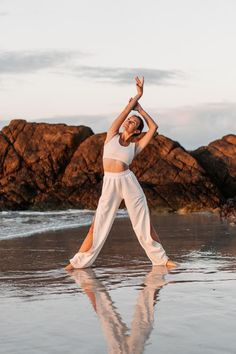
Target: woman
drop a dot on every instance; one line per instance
(119, 183)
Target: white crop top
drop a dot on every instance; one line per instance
(114, 150)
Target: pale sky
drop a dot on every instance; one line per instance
(74, 61)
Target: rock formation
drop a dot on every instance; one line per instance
(56, 166)
(219, 161)
(33, 157)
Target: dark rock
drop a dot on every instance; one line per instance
(228, 211)
(219, 161)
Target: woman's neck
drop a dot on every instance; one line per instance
(125, 137)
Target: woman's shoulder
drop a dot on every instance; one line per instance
(111, 135)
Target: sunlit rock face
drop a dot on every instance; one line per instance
(173, 179)
(56, 166)
(33, 157)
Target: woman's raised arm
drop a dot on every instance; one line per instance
(132, 103)
(145, 140)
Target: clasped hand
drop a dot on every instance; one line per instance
(139, 85)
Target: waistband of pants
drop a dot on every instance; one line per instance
(117, 174)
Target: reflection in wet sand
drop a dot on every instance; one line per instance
(115, 330)
(45, 311)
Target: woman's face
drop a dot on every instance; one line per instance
(131, 124)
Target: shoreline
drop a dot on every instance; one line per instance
(52, 250)
(83, 227)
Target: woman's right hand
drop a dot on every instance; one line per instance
(139, 85)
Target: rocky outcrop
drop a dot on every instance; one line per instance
(219, 161)
(33, 156)
(55, 166)
(171, 178)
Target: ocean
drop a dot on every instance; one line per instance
(27, 223)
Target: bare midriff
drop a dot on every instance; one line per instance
(112, 165)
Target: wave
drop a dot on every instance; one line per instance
(26, 223)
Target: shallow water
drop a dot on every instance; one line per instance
(122, 304)
(27, 223)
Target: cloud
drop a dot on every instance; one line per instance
(59, 61)
(18, 62)
(3, 13)
(117, 75)
(198, 125)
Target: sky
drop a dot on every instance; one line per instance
(74, 62)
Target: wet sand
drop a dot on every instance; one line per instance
(122, 304)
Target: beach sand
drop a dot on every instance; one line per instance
(122, 304)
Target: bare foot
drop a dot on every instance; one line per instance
(69, 267)
(171, 263)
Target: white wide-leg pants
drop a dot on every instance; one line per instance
(117, 186)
